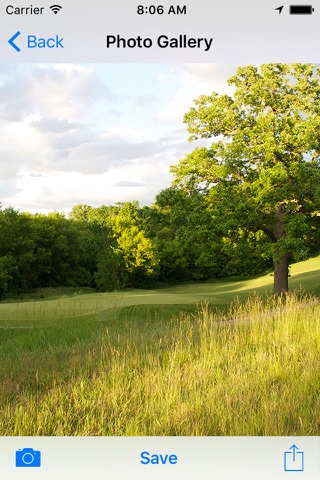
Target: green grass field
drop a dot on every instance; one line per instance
(195, 359)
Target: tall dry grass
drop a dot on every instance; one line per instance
(252, 370)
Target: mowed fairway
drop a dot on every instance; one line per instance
(171, 361)
(305, 275)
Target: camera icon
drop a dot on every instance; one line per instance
(28, 458)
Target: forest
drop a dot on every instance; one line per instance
(108, 248)
(124, 245)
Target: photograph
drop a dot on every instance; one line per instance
(159, 250)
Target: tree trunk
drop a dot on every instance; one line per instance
(281, 275)
(281, 266)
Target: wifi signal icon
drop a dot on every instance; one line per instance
(55, 8)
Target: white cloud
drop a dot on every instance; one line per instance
(54, 125)
(125, 133)
(71, 136)
(62, 190)
(61, 91)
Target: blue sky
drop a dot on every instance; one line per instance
(95, 134)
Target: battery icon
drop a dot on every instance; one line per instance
(301, 9)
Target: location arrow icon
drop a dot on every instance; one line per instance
(280, 9)
(12, 39)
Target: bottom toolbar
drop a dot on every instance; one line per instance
(223, 458)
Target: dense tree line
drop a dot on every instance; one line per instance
(42, 251)
(123, 245)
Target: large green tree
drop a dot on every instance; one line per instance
(261, 176)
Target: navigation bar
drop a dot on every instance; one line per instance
(188, 31)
